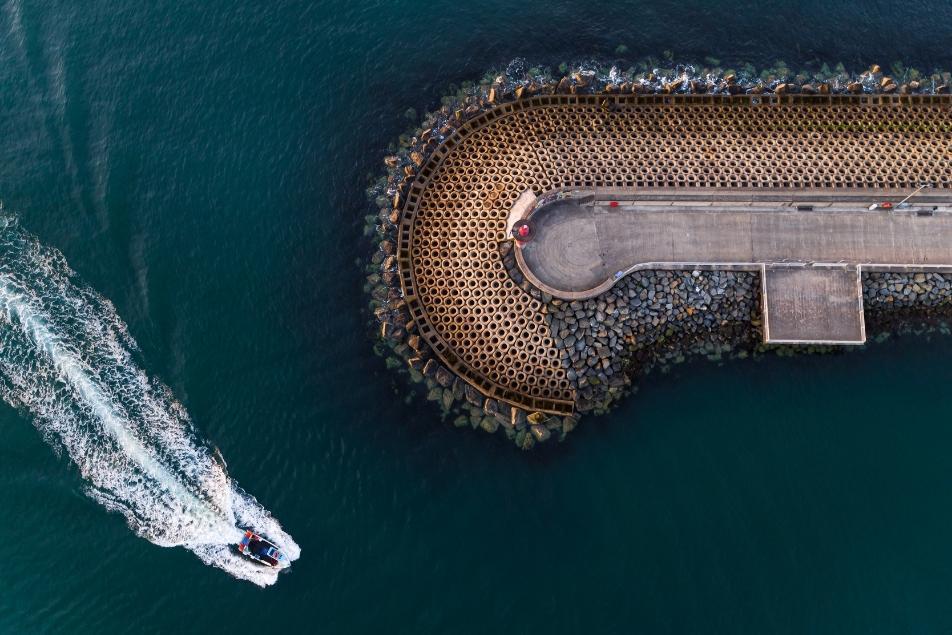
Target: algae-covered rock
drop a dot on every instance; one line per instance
(447, 399)
(541, 433)
(489, 424)
(525, 440)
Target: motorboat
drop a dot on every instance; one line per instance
(262, 551)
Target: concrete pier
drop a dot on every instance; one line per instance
(809, 247)
(700, 180)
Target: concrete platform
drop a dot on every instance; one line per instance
(809, 305)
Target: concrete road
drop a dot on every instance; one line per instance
(577, 249)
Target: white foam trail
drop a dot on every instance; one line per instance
(67, 358)
(14, 10)
(17, 308)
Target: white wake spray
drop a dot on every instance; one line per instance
(68, 360)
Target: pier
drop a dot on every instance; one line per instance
(777, 184)
(808, 246)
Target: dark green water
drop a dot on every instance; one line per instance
(202, 165)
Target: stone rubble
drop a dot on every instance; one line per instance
(600, 337)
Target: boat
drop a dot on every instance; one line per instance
(262, 551)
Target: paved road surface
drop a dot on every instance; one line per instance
(579, 247)
(809, 258)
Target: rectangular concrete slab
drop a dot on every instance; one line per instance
(813, 305)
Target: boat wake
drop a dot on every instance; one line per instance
(68, 360)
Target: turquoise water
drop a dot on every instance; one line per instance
(202, 166)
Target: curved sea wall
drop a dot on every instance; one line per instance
(650, 319)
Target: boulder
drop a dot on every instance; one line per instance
(569, 424)
(672, 87)
(443, 377)
(489, 424)
(473, 396)
(447, 399)
(540, 432)
(517, 418)
(524, 440)
(584, 79)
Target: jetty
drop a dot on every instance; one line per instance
(779, 186)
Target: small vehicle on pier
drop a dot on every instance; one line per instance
(262, 551)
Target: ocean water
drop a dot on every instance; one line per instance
(201, 167)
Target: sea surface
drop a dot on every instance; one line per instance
(188, 178)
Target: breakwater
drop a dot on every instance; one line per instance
(456, 314)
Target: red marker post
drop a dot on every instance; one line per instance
(522, 232)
